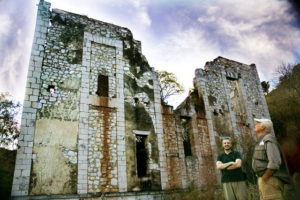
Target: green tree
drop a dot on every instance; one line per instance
(284, 71)
(169, 85)
(284, 103)
(288, 77)
(265, 86)
(9, 127)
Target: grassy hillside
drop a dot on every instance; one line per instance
(284, 106)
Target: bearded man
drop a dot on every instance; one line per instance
(233, 178)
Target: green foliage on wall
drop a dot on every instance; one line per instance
(72, 37)
(138, 63)
(9, 127)
(169, 85)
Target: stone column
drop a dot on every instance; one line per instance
(82, 179)
(159, 131)
(121, 149)
(31, 104)
(201, 87)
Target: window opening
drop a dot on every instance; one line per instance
(102, 90)
(141, 155)
(51, 89)
(185, 123)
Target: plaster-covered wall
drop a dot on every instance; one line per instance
(54, 171)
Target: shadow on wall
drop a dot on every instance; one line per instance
(7, 166)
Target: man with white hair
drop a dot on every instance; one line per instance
(268, 162)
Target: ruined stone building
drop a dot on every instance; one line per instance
(93, 121)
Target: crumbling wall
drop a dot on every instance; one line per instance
(226, 98)
(218, 105)
(256, 103)
(57, 118)
(173, 149)
(56, 129)
(207, 170)
(140, 117)
(102, 57)
(136, 118)
(201, 160)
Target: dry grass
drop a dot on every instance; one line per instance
(195, 193)
(253, 193)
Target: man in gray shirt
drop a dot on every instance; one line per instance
(268, 162)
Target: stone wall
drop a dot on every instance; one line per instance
(102, 150)
(173, 150)
(234, 98)
(74, 140)
(31, 104)
(226, 99)
(199, 166)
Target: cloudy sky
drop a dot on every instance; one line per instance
(177, 35)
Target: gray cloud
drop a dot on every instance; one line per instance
(263, 32)
(15, 43)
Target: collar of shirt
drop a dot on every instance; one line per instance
(261, 137)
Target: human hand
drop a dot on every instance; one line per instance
(229, 164)
(267, 174)
(265, 178)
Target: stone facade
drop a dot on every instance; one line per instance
(93, 123)
(232, 97)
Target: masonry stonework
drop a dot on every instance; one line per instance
(94, 125)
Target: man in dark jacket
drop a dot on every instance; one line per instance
(233, 178)
(268, 162)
